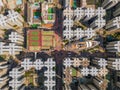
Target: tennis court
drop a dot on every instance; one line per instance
(39, 39)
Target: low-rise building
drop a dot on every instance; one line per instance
(41, 13)
(34, 13)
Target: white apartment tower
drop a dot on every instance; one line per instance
(113, 24)
(114, 63)
(98, 23)
(38, 64)
(113, 46)
(101, 62)
(50, 74)
(9, 49)
(4, 22)
(17, 78)
(12, 20)
(15, 37)
(107, 4)
(117, 10)
(70, 16)
(3, 75)
(89, 13)
(100, 83)
(118, 79)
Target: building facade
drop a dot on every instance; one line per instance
(113, 46)
(4, 75)
(107, 4)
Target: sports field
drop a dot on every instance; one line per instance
(34, 40)
(39, 39)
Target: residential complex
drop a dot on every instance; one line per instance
(74, 16)
(59, 44)
(38, 64)
(42, 14)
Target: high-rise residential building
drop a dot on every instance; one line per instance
(12, 20)
(68, 13)
(113, 24)
(15, 19)
(116, 10)
(100, 12)
(98, 23)
(1, 3)
(15, 37)
(68, 33)
(82, 87)
(4, 22)
(27, 63)
(118, 79)
(114, 63)
(86, 87)
(73, 16)
(107, 4)
(100, 83)
(67, 62)
(91, 87)
(18, 80)
(38, 64)
(10, 48)
(99, 62)
(113, 46)
(50, 74)
(89, 13)
(3, 75)
(79, 13)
